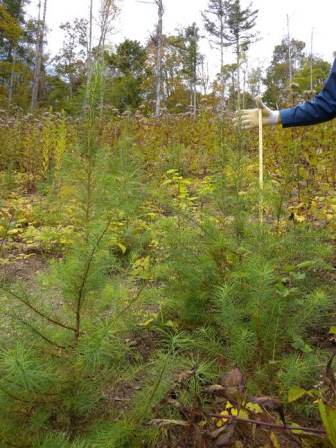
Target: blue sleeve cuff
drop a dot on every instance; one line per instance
(322, 108)
(287, 117)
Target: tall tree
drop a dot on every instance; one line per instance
(185, 59)
(312, 74)
(192, 61)
(12, 21)
(89, 58)
(254, 81)
(14, 42)
(39, 53)
(204, 74)
(107, 15)
(125, 88)
(240, 23)
(173, 60)
(89, 52)
(70, 61)
(277, 74)
(214, 22)
(159, 51)
(108, 12)
(10, 33)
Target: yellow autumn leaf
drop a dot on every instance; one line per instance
(295, 393)
(230, 410)
(122, 247)
(13, 232)
(328, 416)
(275, 440)
(296, 431)
(299, 218)
(254, 407)
(243, 414)
(2, 231)
(147, 323)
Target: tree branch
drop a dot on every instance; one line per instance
(270, 425)
(45, 338)
(38, 312)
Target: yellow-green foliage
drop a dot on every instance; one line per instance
(152, 228)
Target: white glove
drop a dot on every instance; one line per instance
(249, 118)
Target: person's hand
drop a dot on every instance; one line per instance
(249, 118)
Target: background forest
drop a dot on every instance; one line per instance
(144, 303)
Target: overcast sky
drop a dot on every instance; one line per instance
(137, 21)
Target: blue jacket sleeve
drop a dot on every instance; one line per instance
(321, 108)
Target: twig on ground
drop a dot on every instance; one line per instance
(270, 425)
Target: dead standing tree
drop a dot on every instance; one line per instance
(159, 53)
(214, 22)
(108, 13)
(39, 54)
(89, 49)
(239, 33)
(158, 70)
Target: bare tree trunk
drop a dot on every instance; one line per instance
(39, 56)
(191, 85)
(245, 70)
(89, 53)
(289, 52)
(222, 66)
(108, 13)
(195, 74)
(90, 31)
(159, 57)
(204, 76)
(195, 100)
(311, 61)
(12, 79)
(244, 87)
(89, 60)
(238, 75)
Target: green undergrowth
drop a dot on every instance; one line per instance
(157, 283)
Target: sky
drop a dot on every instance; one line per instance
(137, 20)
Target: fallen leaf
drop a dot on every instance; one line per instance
(328, 416)
(270, 404)
(275, 440)
(147, 323)
(234, 385)
(254, 407)
(122, 247)
(225, 438)
(295, 393)
(168, 422)
(214, 388)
